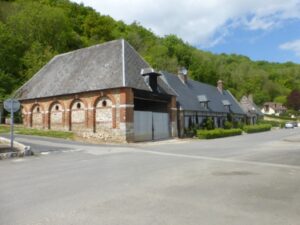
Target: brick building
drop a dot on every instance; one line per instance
(106, 91)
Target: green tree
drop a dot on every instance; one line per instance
(293, 100)
(35, 58)
(35, 22)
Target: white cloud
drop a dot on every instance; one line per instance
(292, 46)
(200, 22)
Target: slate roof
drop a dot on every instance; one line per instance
(187, 96)
(110, 65)
(249, 107)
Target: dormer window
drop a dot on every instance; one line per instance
(203, 100)
(226, 104)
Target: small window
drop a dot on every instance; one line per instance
(104, 103)
(56, 107)
(78, 106)
(38, 109)
(204, 105)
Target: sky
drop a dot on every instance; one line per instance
(260, 29)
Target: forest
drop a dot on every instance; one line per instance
(33, 31)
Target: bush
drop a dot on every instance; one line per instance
(217, 133)
(257, 128)
(208, 124)
(191, 131)
(227, 125)
(237, 124)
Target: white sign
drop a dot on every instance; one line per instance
(12, 105)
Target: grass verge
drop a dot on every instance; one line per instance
(35, 132)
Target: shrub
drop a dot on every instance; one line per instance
(257, 128)
(238, 125)
(227, 125)
(191, 131)
(208, 124)
(217, 133)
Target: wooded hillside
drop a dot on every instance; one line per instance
(33, 31)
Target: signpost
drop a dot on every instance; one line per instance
(12, 106)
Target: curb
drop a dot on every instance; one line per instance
(23, 150)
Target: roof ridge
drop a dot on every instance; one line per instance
(123, 64)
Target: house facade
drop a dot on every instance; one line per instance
(251, 109)
(105, 92)
(196, 102)
(273, 108)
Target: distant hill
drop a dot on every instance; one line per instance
(33, 31)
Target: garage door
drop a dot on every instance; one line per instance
(161, 126)
(150, 126)
(142, 126)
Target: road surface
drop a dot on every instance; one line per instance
(244, 180)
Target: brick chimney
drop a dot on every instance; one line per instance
(182, 74)
(220, 85)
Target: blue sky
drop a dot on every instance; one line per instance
(262, 30)
(261, 44)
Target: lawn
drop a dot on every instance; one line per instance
(35, 132)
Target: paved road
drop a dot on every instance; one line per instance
(250, 179)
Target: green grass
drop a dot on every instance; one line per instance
(4, 129)
(273, 123)
(35, 132)
(286, 118)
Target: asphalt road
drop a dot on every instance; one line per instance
(250, 179)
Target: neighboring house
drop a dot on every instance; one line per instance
(197, 101)
(252, 111)
(273, 108)
(106, 91)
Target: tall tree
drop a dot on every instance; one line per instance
(293, 100)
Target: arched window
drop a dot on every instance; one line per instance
(37, 117)
(78, 115)
(56, 117)
(103, 113)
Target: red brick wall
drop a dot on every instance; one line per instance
(63, 113)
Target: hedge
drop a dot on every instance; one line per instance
(217, 133)
(257, 128)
